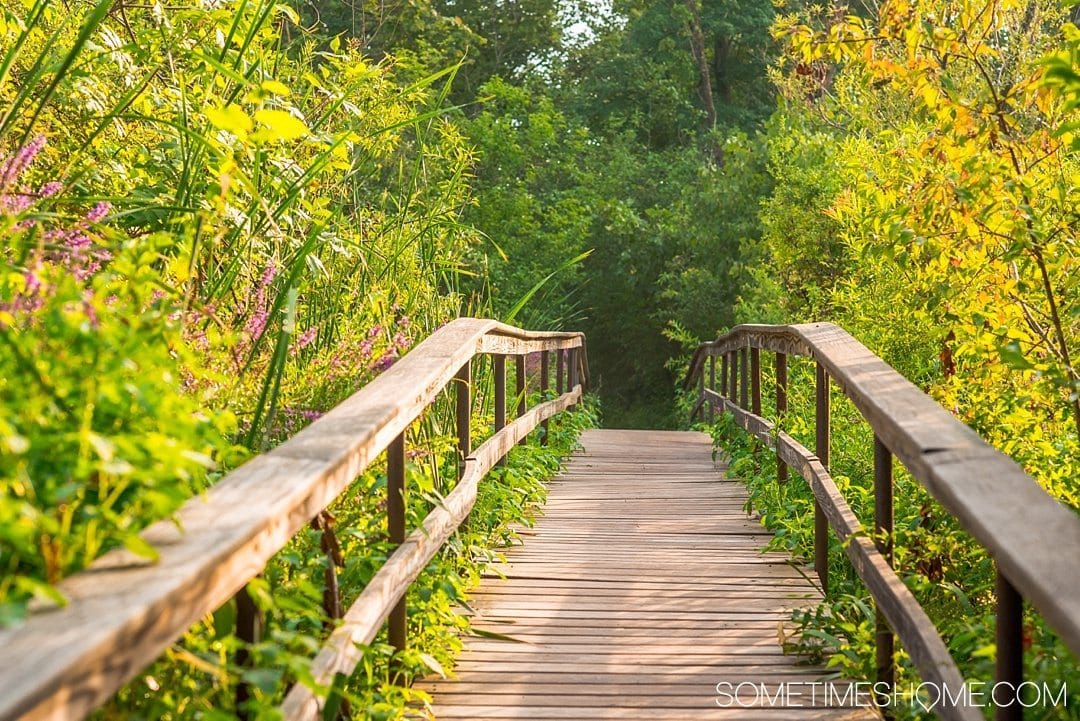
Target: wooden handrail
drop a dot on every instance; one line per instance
(124, 610)
(993, 499)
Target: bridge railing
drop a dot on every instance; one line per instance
(1033, 539)
(124, 610)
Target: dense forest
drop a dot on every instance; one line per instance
(222, 218)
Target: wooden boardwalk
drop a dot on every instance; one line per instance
(640, 590)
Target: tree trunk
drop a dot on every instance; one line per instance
(697, 46)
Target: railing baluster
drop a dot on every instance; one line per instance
(821, 523)
(544, 372)
(755, 381)
(723, 376)
(499, 368)
(572, 369)
(712, 385)
(1010, 649)
(463, 383)
(733, 370)
(395, 526)
(560, 368)
(701, 394)
(883, 525)
(519, 388)
(328, 543)
(249, 624)
(744, 378)
(781, 409)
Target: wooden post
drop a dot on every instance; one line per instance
(572, 370)
(519, 388)
(883, 524)
(395, 526)
(733, 368)
(781, 409)
(712, 386)
(499, 368)
(744, 379)
(821, 523)
(463, 382)
(544, 372)
(328, 543)
(701, 393)
(560, 367)
(1010, 650)
(249, 624)
(723, 376)
(755, 381)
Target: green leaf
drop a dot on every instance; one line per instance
(432, 663)
(1013, 357)
(40, 589)
(139, 546)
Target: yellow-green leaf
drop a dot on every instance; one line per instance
(280, 125)
(430, 661)
(276, 87)
(140, 547)
(231, 118)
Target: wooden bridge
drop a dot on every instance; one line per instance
(640, 594)
(642, 588)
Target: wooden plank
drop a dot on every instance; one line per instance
(631, 598)
(658, 714)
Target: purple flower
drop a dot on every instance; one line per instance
(304, 340)
(91, 312)
(15, 203)
(385, 361)
(13, 168)
(257, 322)
(50, 189)
(33, 282)
(307, 337)
(98, 212)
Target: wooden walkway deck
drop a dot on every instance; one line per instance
(641, 588)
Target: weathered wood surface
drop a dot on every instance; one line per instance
(362, 621)
(906, 617)
(641, 588)
(1034, 540)
(125, 610)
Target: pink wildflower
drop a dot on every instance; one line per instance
(50, 189)
(13, 168)
(256, 324)
(304, 340)
(386, 360)
(98, 212)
